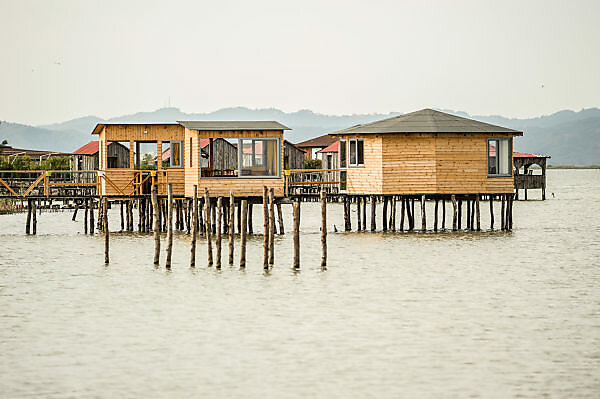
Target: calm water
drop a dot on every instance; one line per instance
(488, 314)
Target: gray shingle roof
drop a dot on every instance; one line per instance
(233, 125)
(426, 121)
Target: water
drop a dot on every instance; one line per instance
(491, 314)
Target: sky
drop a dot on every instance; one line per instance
(66, 59)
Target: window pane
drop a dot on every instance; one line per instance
(503, 157)
(492, 169)
(361, 152)
(352, 152)
(342, 153)
(343, 177)
(218, 157)
(260, 157)
(175, 154)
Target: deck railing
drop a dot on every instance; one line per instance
(27, 183)
(307, 181)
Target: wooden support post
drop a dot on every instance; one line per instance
(502, 213)
(296, 212)
(28, 221)
(435, 218)
(393, 215)
(194, 228)
(156, 224)
(280, 219)
(443, 214)
(508, 217)
(412, 214)
(244, 209)
(346, 213)
(478, 212)
(201, 223)
(219, 230)
(208, 227)
(409, 215)
(455, 213)
(323, 229)
(85, 216)
(139, 205)
(373, 220)
(34, 218)
(169, 225)
(213, 215)
(423, 216)
(364, 213)
(384, 214)
(468, 214)
(122, 216)
(358, 221)
(460, 214)
(402, 208)
(265, 228)
(491, 212)
(105, 229)
(92, 216)
(230, 227)
(472, 224)
(249, 212)
(271, 227)
(75, 212)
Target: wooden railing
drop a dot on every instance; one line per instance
(24, 183)
(313, 180)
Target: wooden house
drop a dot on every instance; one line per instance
(426, 152)
(528, 179)
(313, 146)
(221, 156)
(293, 157)
(87, 157)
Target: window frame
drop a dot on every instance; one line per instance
(356, 163)
(181, 154)
(496, 142)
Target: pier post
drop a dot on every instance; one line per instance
(435, 219)
(402, 206)
(85, 216)
(412, 214)
(244, 209)
(105, 229)
(364, 213)
(358, 221)
(208, 227)
(201, 223)
(265, 228)
(393, 215)
(280, 219)
(92, 216)
(478, 212)
(296, 212)
(169, 225)
(460, 214)
(423, 216)
(491, 212)
(468, 214)
(502, 213)
(384, 214)
(194, 228)
(230, 227)
(156, 224)
(75, 211)
(249, 221)
(140, 217)
(219, 229)
(443, 214)
(122, 216)
(28, 221)
(271, 227)
(373, 220)
(409, 217)
(508, 217)
(323, 229)
(34, 218)
(346, 214)
(455, 213)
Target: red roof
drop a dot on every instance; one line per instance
(89, 149)
(525, 155)
(321, 141)
(335, 147)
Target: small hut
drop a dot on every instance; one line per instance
(87, 157)
(313, 146)
(530, 179)
(293, 157)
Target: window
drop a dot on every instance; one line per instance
(259, 157)
(176, 154)
(218, 157)
(146, 155)
(342, 153)
(357, 152)
(499, 155)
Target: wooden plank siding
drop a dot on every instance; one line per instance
(367, 179)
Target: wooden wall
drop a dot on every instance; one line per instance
(367, 179)
(293, 156)
(84, 162)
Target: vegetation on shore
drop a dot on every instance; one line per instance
(27, 163)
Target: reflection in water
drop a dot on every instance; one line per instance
(395, 314)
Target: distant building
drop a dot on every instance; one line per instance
(313, 146)
(37, 155)
(87, 157)
(293, 157)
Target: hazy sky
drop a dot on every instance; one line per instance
(65, 59)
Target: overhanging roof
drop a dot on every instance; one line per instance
(100, 125)
(427, 121)
(233, 125)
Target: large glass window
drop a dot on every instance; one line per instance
(172, 154)
(342, 153)
(499, 155)
(259, 157)
(357, 152)
(218, 157)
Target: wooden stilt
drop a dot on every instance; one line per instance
(443, 214)
(296, 212)
(402, 208)
(34, 219)
(423, 216)
(358, 221)
(373, 220)
(409, 217)
(92, 216)
(265, 228)
(491, 212)
(188, 213)
(85, 217)
(208, 227)
(243, 207)
(239, 219)
(510, 212)
(472, 222)
(250, 227)
(280, 219)
(364, 213)
(323, 229)
(156, 225)
(272, 227)
(346, 213)
(502, 213)
(455, 213)
(478, 212)
(468, 214)
(140, 218)
(412, 213)
(393, 214)
(219, 230)
(194, 228)
(105, 229)
(169, 225)
(460, 214)
(122, 216)
(435, 218)
(213, 215)
(28, 221)
(384, 214)
(75, 211)
(230, 227)
(201, 213)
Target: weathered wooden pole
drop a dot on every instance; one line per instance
(265, 228)
(423, 216)
(243, 228)
(323, 229)
(201, 222)
(34, 217)
(156, 224)
(358, 221)
(92, 216)
(478, 212)
(194, 227)
(402, 208)
(249, 221)
(443, 214)
(373, 220)
(75, 212)
(509, 216)
(188, 215)
(105, 229)
(364, 213)
(455, 213)
(208, 227)
(346, 213)
(280, 219)
(122, 216)
(219, 229)
(491, 212)
(384, 213)
(28, 221)
(473, 214)
(468, 214)
(409, 217)
(435, 218)
(296, 212)
(502, 213)
(459, 214)
(169, 225)
(230, 227)
(271, 227)
(412, 214)
(85, 216)
(393, 216)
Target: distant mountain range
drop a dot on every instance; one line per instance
(569, 137)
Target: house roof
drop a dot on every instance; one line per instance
(233, 125)
(334, 147)
(427, 121)
(99, 126)
(88, 149)
(525, 155)
(321, 141)
(285, 142)
(7, 150)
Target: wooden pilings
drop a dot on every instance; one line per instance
(271, 227)
(455, 213)
(358, 221)
(230, 227)
(91, 216)
(491, 212)
(393, 215)
(28, 221)
(373, 220)
(502, 213)
(423, 216)
(323, 229)
(402, 209)
(169, 225)
(347, 222)
(194, 227)
(156, 223)
(243, 229)
(105, 229)
(384, 220)
(435, 219)
(85, 216)
(219, 229)
(265, 228)
(208, 227)
(296, 237)
(280, 219)
(478, 212)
